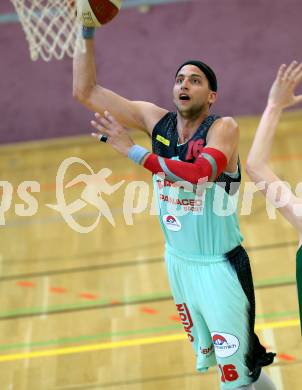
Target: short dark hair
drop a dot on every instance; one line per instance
(210, 74)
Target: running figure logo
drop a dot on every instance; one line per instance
(96, 185)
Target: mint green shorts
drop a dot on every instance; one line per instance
(214, 297)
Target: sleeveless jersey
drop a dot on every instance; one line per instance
(194, 222)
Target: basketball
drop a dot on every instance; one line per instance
(95, 13)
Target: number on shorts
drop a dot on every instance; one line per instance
(228, 373)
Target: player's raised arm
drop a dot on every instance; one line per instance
(132, 114)
(281, 96)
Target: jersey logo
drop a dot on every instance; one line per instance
(225, 344)
(194, 149)
(163, 140)
(171, 222)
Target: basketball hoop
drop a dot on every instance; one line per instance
(50, 27)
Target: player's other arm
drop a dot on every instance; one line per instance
(208, 166)
(280, 97)
(131, 114)
(212, 161)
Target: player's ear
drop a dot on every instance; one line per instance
(212, 97)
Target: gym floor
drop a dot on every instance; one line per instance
(94, 311)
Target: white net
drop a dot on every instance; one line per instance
(50, 27)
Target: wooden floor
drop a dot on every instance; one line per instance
(94, 311)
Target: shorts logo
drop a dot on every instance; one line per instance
(225, 344)
(207, 351)
(186, 319)
(171, 222)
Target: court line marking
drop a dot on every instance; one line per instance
(86, 338)
(135, 332)
(126, 262)
(106, 303)
(126, 343)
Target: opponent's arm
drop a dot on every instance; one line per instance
(280, 97)
(208, 165)
(132, 114)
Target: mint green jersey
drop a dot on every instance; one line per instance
(204, 224)
(194, 225)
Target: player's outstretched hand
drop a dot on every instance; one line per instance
(282, 93)
(117, 135)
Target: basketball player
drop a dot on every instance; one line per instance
(280, 97)
(209, 271)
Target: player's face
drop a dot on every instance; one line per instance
(191, 92)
